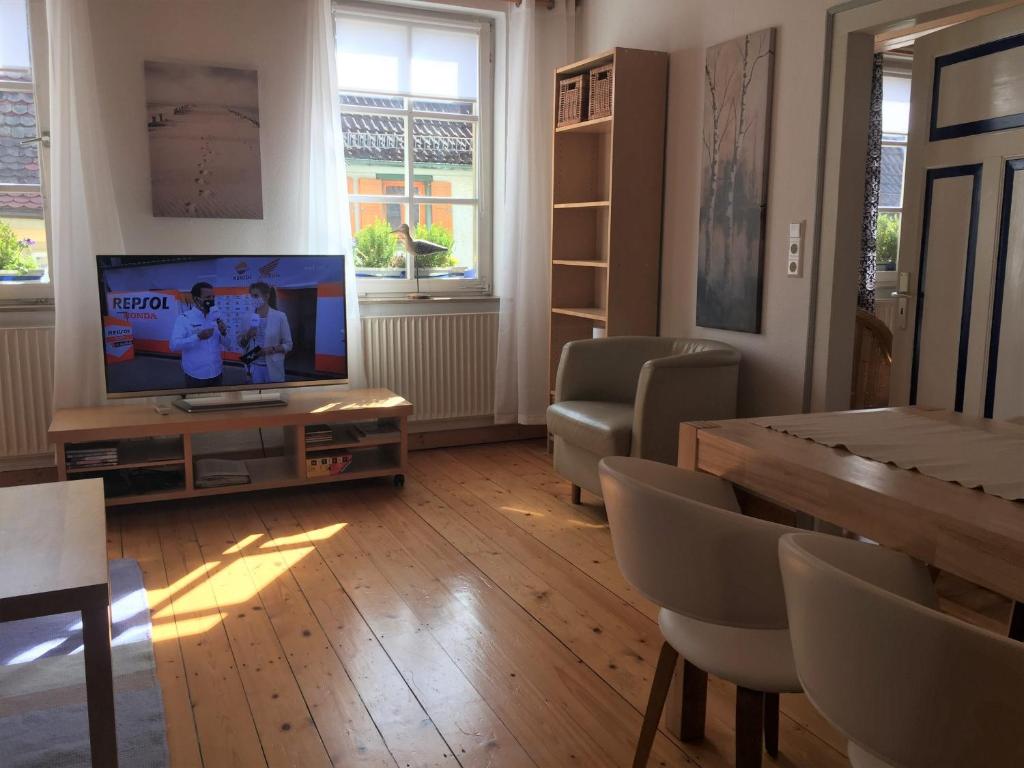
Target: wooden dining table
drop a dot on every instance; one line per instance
(963, 531)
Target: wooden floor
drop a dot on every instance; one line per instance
(473, 618)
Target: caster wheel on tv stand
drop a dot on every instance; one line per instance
(399, 481)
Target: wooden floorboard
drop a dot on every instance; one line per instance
(474, 618)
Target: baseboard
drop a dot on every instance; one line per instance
(10, 477)
(491, 433)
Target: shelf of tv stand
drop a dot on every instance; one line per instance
(376, 454)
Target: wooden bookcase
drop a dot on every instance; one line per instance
(157, 454)
(607, 180)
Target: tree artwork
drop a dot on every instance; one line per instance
(738, 78)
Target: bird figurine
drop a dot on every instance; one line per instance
(417, 248)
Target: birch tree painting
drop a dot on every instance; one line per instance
(734, 181)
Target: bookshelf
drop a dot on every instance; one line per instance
(146, 456)
(606, 192)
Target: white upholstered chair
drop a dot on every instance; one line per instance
(680, 540)
(626, 395)
(907, 685)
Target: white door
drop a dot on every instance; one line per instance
(962, 346)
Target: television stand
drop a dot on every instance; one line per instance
(143, 456)
(229, 400)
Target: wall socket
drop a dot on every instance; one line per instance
(795, 257)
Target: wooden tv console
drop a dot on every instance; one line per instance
(156, 454)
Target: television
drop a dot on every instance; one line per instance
(190, 325)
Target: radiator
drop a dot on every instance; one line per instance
(26, 390)
(885, 310)
(443, 364)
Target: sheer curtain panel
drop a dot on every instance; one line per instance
(539, 41)
(83, 212)
(328, 229)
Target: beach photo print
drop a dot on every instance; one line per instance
(204, 141)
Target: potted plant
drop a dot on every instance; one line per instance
(16, 261)
(376, 252)
(442, 263)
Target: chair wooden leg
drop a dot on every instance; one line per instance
(577, 494)
(695, 699)
(655, 703)
(771, 724)
(749, 726)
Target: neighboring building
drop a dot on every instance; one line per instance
(375, 161)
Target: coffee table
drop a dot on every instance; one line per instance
(53, 559)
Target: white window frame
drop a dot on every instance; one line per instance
(483, 26)
(887, 279)
(35, 292)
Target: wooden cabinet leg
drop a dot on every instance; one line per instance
(577, 494)
(99, 684)
(1016, 630)
(749, 725)
(695, 699)
(655, 703)
(771, 724)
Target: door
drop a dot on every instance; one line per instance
(962, 343)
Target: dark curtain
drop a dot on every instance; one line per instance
(872, 185)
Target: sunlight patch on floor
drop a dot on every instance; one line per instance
(193, 604)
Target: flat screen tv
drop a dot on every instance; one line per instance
(191, 324)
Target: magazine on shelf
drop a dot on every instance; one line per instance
(215, 473)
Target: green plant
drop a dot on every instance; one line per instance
(887, 240)
(14, 253)
(376, 246)
(435, 233)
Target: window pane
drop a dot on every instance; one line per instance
(14, 53)
(444, 63)
(22, 243)
(444, 157)
(888, 240)
(372, 55)
(374, 153)
(375, 247)
(449, 233)
(891, 193)
(19, 163)
(895, 104)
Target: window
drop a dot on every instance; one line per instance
(895, 122)
(24, 268)
(415, 100)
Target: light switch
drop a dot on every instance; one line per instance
(794, 259)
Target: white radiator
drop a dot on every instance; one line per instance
(26, 390)
(885, 310)
(443, 364)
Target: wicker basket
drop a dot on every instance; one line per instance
(572, 100)
(602, 81)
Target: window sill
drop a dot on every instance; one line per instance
(381, 306)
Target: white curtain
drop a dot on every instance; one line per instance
(539, 41)
(83, 211)
(329, 229)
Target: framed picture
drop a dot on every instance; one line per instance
(204, 141)
(738, 79)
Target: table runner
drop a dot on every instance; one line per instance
(958, 453)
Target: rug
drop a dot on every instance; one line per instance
(43, 714)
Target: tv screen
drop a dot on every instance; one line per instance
(183, 324)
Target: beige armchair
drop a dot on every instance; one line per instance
(626, 395)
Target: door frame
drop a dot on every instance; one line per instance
(849, 49)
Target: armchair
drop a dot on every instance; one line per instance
(626, 395)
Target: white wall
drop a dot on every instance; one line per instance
(267, 35)
(774, 362)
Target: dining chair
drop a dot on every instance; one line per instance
(680, 540)
(908, 686)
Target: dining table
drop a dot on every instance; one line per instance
(944, 487)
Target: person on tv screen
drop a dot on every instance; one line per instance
(200, 335)
(268, 335)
